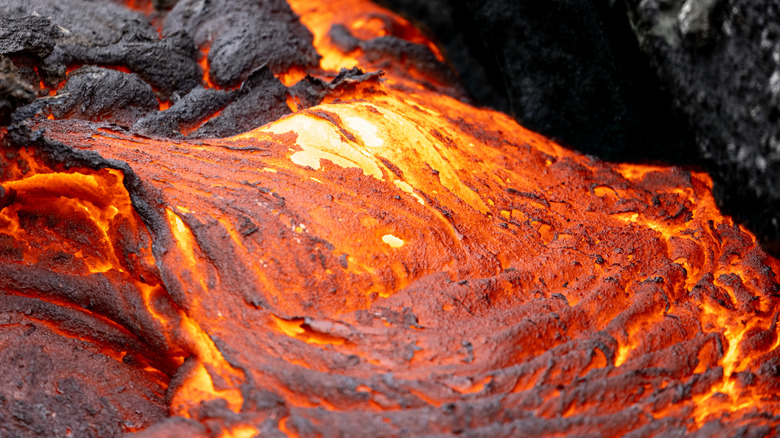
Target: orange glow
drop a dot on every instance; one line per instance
(394, 252)
(292, 76)
(203, 61)
(362, 18)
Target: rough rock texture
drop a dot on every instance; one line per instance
(14, 91)
(59, 35)
(42, 395)
(721, 61)
(684, 82)
(186, 114)
(452, 23)
(243, 35)
(261, 99)
(94, 93)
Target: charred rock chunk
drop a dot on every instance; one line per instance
(30, 34)
(14, 92)
(721, 61)
(59, 382)
(168, 65)
(390, 51)
(186, 114)
(82, 22)
(241, 36)
(82, 32)
(311, 91)
(262, 99)
(96, 94)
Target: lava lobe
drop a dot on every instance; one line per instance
(242, 241)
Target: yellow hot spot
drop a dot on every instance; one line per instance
(636, 172)
(602, 191)
(366, 130)
(393, 241)
(320, 139)
(185, 242)
(294, 328)
(241, 431)
(306, 158)
(289, 328)
(198, 387)
(408, 189)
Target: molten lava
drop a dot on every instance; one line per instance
(391, 258)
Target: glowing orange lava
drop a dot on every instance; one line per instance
(396, 261)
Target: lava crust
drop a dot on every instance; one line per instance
(383, 255)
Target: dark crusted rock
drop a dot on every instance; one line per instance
(14, 92)
(27, 40)
(721, 61)
(77, 32)
(573, 74)
(82, 22)
(453, 25)
(261, 99)
(168, 65)
(311, 91)
(390, 51)
(30, 34)
(42, 394)
(94, 93)
(185, 114)
(243, 35)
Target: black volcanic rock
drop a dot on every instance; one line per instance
(94, 93)
(721, 62)
(168, 65)
(405, 57)
(14, 91)
(29, 34)
(243, 35)
(575, 76)
(261, 99)
(186, 113)
(76, 32)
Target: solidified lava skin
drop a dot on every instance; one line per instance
(385, 260)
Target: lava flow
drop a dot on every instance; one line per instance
(292, 248)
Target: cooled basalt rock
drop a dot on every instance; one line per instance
(97, 94)
(14, 91)
(242, 36)
(261, 99)
(721, 62)
(77, 32)
(675, 81)
(186, 114)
